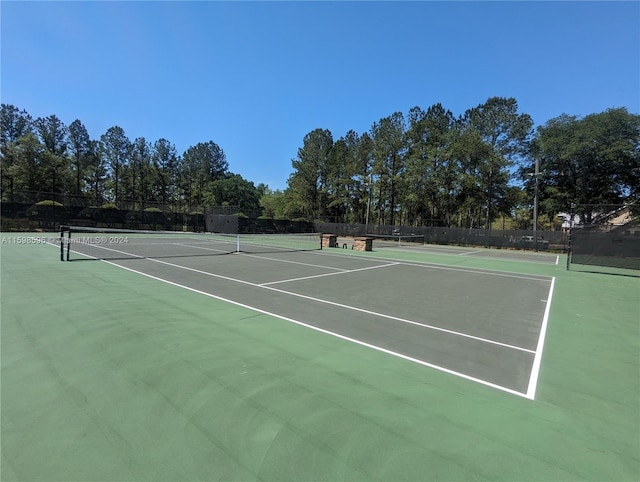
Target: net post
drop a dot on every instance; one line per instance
(321, 239)
(238, 243)
(61, 243)
(68, 243)
(569, 239)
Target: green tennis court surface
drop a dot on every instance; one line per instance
(316, 365)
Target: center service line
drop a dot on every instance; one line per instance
(328, 274)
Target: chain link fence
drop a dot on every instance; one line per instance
(520, 239)
(606, 236)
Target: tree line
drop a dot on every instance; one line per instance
(429, 167)
(423, 168)
(45, 155)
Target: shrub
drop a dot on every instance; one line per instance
(48, 213)
(49, 203)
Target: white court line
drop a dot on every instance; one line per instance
(268, 258)
(441, 251)
(324, 253)
(538, 352)
(223, 251)
(137, 256)
(537, 360)
(344, 271)
(293, 262)
(327, 332)
(348, 307)
(422, 264)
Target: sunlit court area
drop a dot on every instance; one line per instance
(183, 356)
(319, 241)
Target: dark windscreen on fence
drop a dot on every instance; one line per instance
(606, 235)
(606, 246)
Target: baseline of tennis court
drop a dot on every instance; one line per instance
(466, 251)
(485, 326)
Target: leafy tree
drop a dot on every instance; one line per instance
(273, 203)
(201, 164)
(468, 151)
(166, 163)
(233, 190)
(418, 173)
(79, 147)
(507, 133)
(430, 177)
(53, 134)
(309, 181)
(593, 160)
(349, 177)
(340, 177)
(426, 168)
(139, 175)
(262, 189)
(389, 150)
(96, 172)
(14, 124)
(115, 152)
(28, 156)
(362, 152)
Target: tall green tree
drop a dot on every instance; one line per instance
(27, 170)
(116, 147)
(355, 175)
(139, 175)
(418, 169)
(166, 163)
(363, 147)
(507, 133)
(469, 152)
(586, 161)
(273, 203)
(79, 141)
(201, 164)
(343, 181)
(53, 134)
(431, 176)
(308, 183)
(96, 171)
(233, 190)
(14, 125)
(389, 151)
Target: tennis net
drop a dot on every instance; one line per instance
(78, 242)
(396, 240)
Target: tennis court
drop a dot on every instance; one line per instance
(178, 358)
(485, 326)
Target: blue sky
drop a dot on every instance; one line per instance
(255, 77)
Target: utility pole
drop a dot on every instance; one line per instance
(368, 185)
(536, 176)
